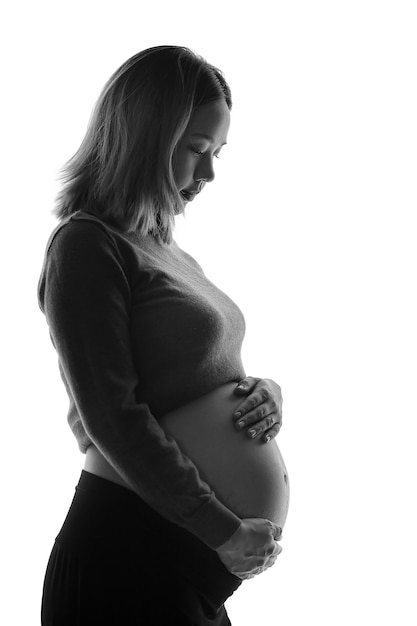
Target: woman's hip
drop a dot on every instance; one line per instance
(109, 529)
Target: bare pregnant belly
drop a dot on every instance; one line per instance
(247, 475)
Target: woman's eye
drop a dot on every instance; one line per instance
(200, 153)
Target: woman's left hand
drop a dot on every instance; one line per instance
(261, 411)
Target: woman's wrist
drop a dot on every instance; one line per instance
(231, 542)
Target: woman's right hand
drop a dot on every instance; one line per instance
(252, 549)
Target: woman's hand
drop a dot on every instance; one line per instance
(261, 411)
(252, 549)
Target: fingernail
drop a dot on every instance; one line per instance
(252, 433)
(240, 424)
(238, 414)
(268, 438)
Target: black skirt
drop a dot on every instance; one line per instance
(117, 562)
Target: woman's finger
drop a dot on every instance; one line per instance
(258, 424)
(261, 398)
(264, 426)
(272, 432)
(246, 385)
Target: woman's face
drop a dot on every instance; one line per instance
(202, 140)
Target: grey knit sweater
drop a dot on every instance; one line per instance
(139, 331)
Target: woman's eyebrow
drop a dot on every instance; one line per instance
(206, 137)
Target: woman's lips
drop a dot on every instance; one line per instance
(187, 195)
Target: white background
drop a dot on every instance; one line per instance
(309, 227)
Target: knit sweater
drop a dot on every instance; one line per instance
(140, 331)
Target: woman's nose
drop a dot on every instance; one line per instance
(205, 172)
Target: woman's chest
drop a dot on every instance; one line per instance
(176, 305)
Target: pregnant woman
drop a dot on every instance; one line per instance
(184, 492)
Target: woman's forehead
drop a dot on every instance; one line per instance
(210, 121)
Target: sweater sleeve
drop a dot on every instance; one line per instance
(87, 302)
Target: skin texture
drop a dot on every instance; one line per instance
(253, 548)
(249, 477)
(195, 154)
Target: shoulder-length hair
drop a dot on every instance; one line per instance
(123, 171)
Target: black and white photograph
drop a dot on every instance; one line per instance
(209, 313)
